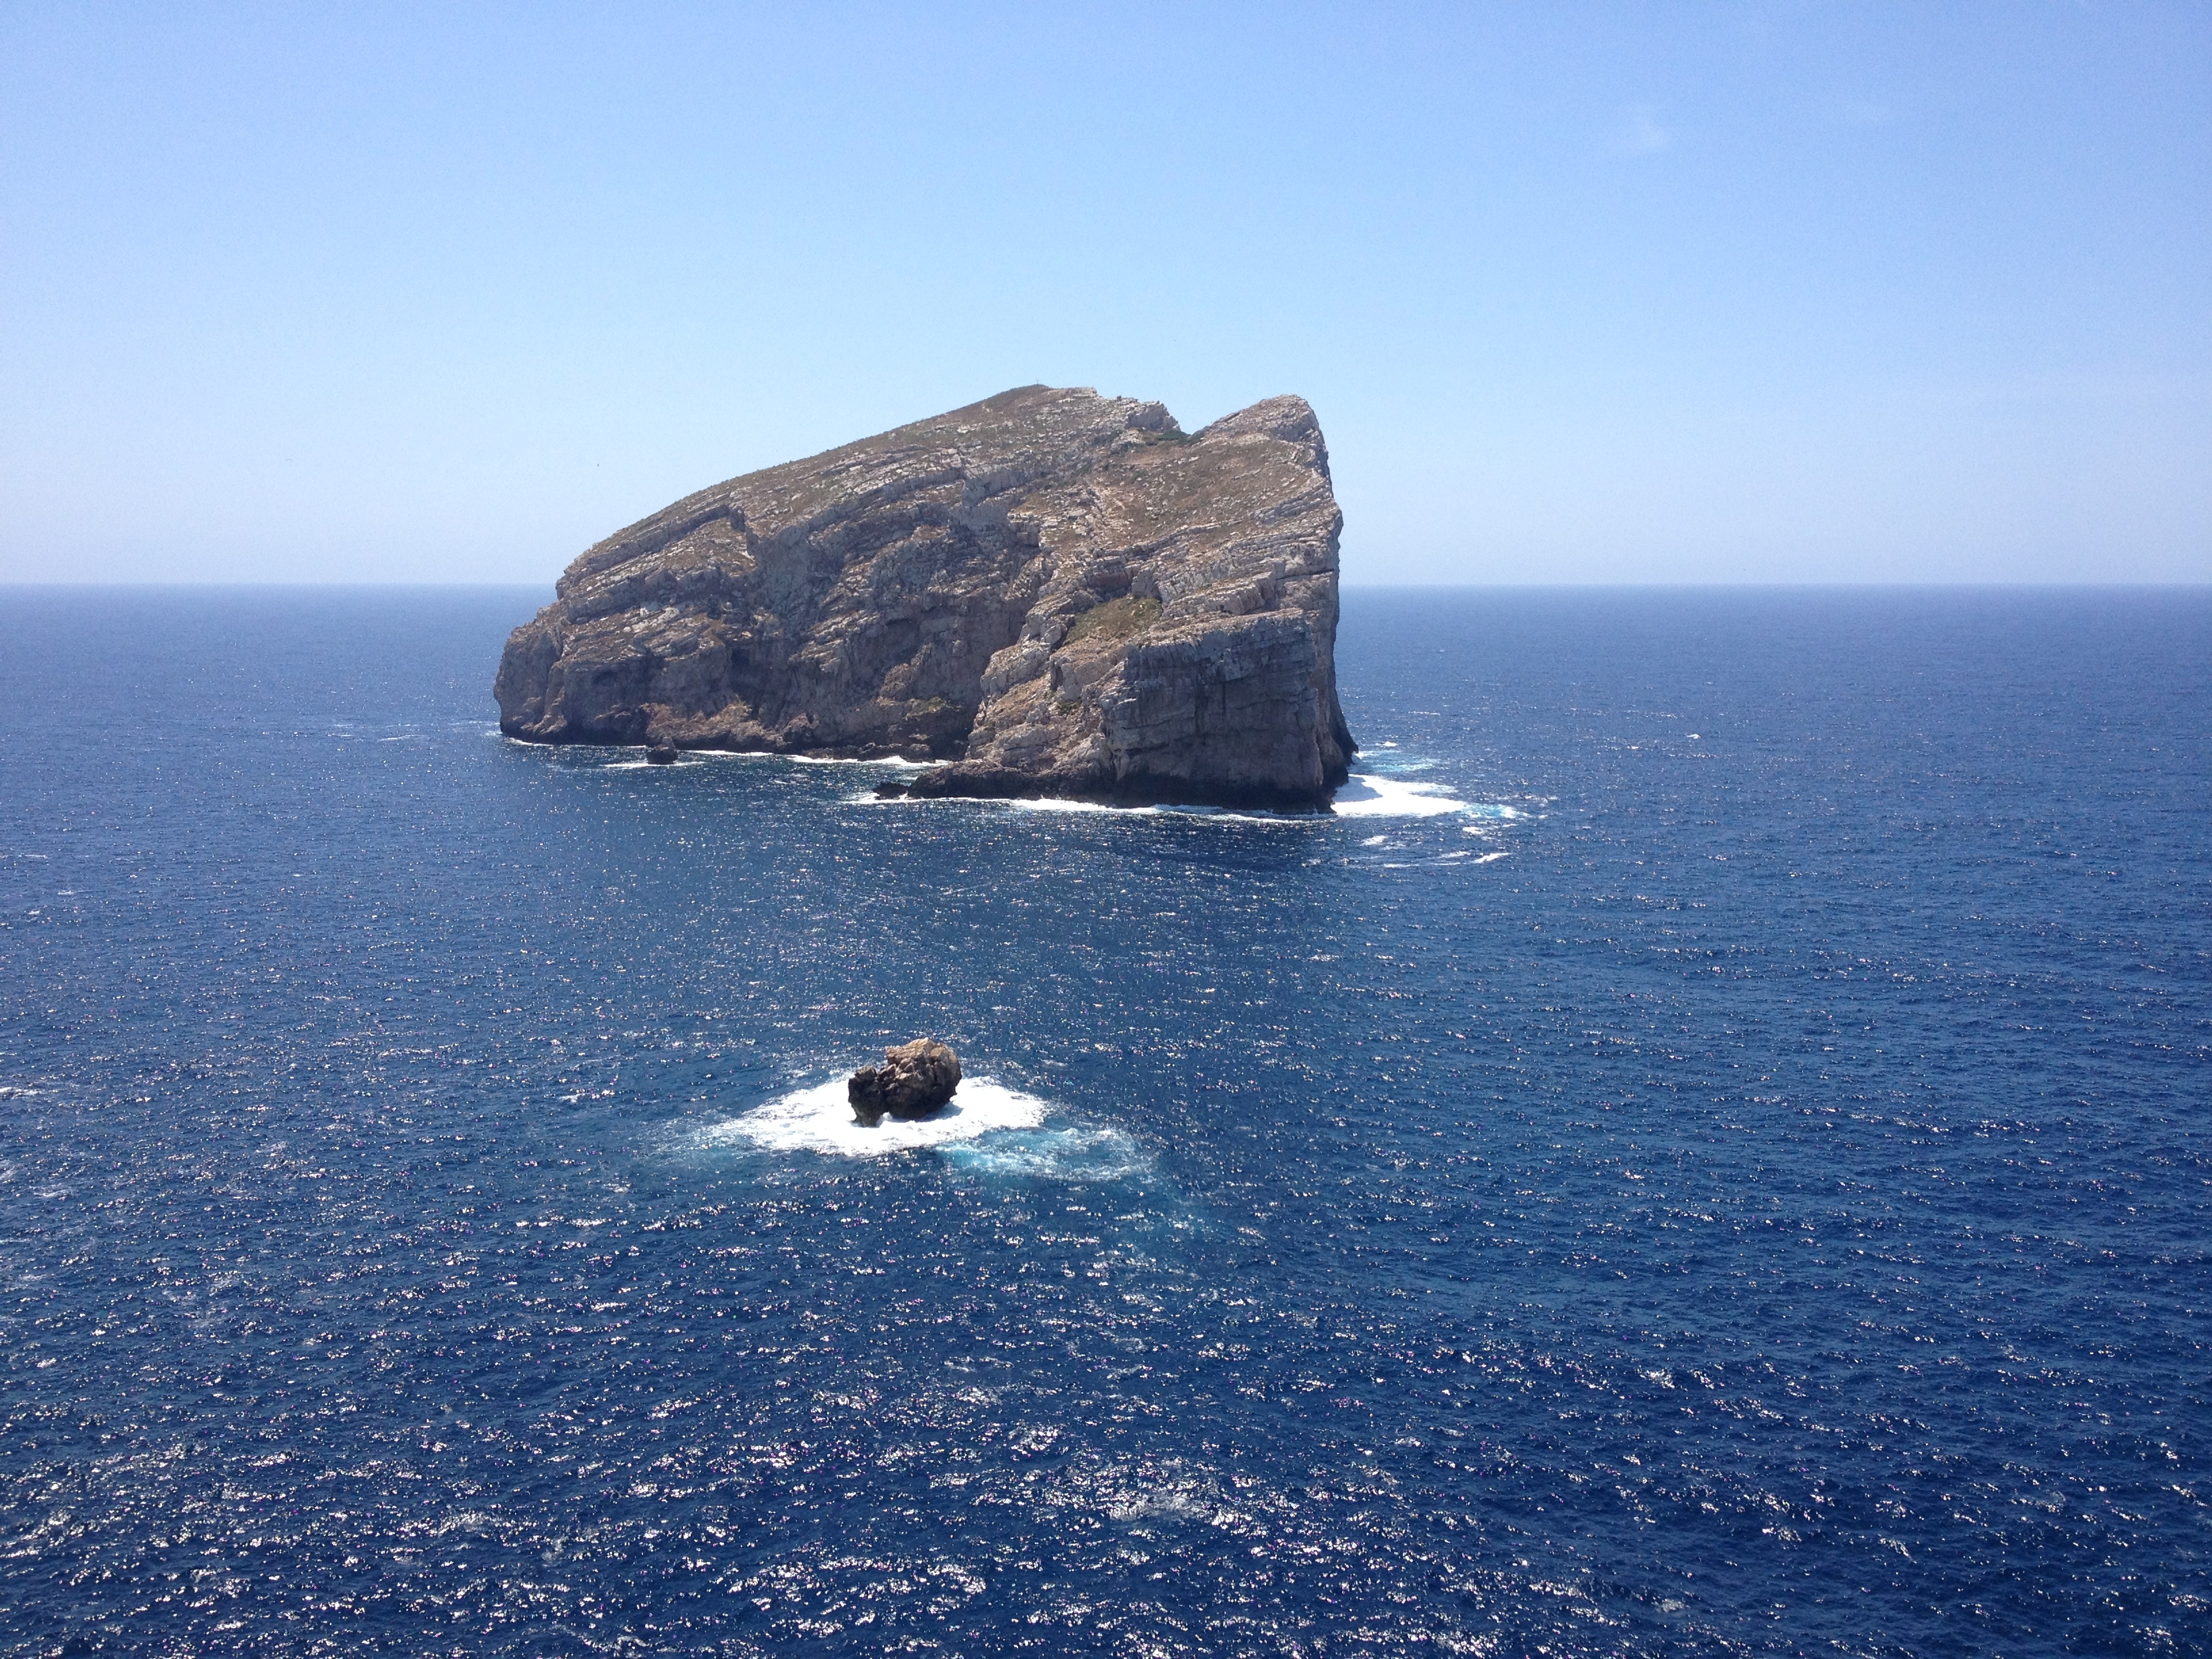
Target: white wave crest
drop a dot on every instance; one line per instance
(819, 1119)
(1169, 809)
(891, 763)
(1369, 795)
(1053, 803)
(900, 762)
(1364, 795)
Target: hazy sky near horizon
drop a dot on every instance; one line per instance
(1728, 292)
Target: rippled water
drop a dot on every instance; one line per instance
(1708, 1155)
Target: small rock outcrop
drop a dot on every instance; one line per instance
(915, 1080)
(1053, 591)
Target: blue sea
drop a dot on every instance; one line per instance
(1710, 1152)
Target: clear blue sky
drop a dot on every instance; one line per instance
(1583, 293)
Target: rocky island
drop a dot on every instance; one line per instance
(915, 1079)
(1054, 592)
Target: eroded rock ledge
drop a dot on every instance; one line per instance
(1059, 593)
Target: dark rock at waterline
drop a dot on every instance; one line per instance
(1055, 592)
(661, 754)
(940, 782)
(915, 1080)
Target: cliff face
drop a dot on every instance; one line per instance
(1060, 593)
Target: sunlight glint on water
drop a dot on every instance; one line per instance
(1703, 1153)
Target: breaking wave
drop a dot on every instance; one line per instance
(819, 1119)
(1374, 795)
(1364, 795)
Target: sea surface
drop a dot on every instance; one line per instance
(1708, 1153)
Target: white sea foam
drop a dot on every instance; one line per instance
(819, 1119)
(899, 760)
(1169, 809)
(898, 763)
(694, 756)
(1052, 804)
(1364, 795)
(1394, 765)
(1073, 1152)
(1368, 795)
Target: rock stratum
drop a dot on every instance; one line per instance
(1055, 592)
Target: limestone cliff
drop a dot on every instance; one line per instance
(1058, 592)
